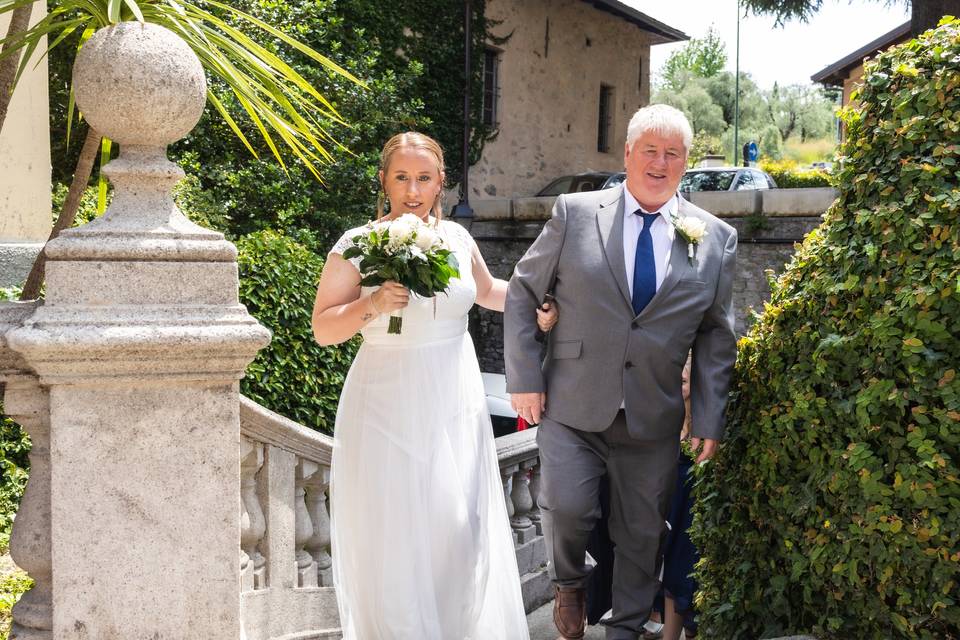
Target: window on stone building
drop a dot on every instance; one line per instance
(491, 86)
(605, 122)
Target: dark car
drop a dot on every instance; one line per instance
(590, 181)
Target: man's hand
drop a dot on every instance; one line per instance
(530, 406)
(709, 448)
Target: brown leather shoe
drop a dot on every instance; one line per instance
(570, 612)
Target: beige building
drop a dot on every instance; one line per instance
(561, 89)
(847, 72)
(24, 171)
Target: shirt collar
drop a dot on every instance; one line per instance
(667, 211)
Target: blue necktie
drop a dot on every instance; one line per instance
(644, 265)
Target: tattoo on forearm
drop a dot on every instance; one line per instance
(366, 316)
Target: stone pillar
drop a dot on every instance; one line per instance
(25, 219)
(523, 527)
(141, 342)
(319, 543)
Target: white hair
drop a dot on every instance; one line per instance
(661, 119)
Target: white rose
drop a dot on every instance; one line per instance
(693, 228)
(426, 238)
(410, 219)
(401, 231)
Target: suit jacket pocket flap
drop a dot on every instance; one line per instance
(566, 349)
(693, 284)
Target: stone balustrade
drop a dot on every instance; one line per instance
(519, 461)
(286, 579)
(161, 503)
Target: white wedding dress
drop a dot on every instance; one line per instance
(422, 548)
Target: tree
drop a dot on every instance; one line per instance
(925, 14)
(701, 58)
(704, 115)
(722, 90)
(800, 110)
(771, 144)
(283, 106)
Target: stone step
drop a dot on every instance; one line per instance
(531, 555)
(536, 589)
(540, 624)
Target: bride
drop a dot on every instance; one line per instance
(422, 548)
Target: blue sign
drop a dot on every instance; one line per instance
(752, 151)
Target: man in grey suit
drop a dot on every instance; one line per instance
(640, 276)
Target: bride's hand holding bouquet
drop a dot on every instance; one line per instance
(405, 251)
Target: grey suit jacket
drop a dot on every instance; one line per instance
(600, 354)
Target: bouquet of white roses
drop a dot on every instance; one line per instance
(408, 251)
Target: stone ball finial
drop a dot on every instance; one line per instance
(139, 84)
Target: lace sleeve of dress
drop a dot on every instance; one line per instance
(344, 243)
(459, 235)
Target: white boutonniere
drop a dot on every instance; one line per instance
(692, 230)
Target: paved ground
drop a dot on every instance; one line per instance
(541, 626)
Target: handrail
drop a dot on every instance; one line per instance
(517, 447)
(263, 425)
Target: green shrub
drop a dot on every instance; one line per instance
(834, 505)
(14, 463)
(293, 376)
(14, 466)
(787, 175)
(12, 586)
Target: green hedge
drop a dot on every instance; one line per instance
(788, 175)
(834, 505)
(294, 376)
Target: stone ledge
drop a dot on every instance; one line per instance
(263, 425)
(16, 259)
(774, 203)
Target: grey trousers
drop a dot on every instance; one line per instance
(642, 476)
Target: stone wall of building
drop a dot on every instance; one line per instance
(503, 243)
(24, 170)
(557, 55)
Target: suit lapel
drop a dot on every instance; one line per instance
(610, 227)
(678, 266)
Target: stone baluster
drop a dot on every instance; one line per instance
(535, 480)
(319, 543)
(506, 477)
(523, 529)
(141, 341)
(253, 525)
(306, 567)
(28, 404)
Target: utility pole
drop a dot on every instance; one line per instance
(463, 210)
(736, 96)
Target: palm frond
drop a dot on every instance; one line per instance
(282, 106)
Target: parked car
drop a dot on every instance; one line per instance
(726, 179)
(713, 179)
(590, 181)
(502, 415)
(614, 179)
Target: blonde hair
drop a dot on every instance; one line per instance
(417, 141)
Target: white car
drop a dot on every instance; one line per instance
(502, 415)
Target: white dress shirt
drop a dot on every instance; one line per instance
(661, 231)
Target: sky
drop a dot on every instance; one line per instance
(787, 55)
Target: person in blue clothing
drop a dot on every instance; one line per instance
(673, 609)
(680, 555)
